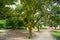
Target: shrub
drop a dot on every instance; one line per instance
(15, 23)
(56, 33)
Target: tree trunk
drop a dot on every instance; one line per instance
(30, 31)
(38, 28)
(55, 27)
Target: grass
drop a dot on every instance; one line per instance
(56, 33)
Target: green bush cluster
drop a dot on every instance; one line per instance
(2, 23)
(13, 23)
(56, 33)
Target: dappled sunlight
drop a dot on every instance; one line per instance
(3, 32)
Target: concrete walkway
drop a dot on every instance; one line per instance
(44, 35)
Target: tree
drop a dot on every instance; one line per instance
(31, 8)
(54, 15)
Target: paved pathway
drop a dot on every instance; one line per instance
(44, 35)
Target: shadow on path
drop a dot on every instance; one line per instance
(13, 35)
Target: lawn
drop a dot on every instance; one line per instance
(56, 33)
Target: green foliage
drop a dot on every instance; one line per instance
(54, 15)
(3, 12)
(3, 9)
(2, 23)
(7, 2)
(56, 33)
(19, 8)
(57, 1)
(24, 13)
(15, 22)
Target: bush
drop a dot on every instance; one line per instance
(2, 23)
(15, 23)
(56, 33)
(1, 26)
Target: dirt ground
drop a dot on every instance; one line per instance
(13, 35)
(21, 35)
(44, 35)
